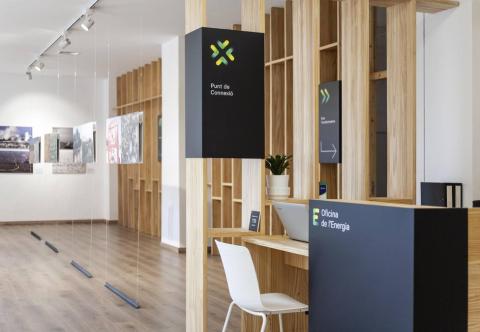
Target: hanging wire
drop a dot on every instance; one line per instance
(106, 221)
(58, 143)
(75, 70)
(94, 142)
(142, 109)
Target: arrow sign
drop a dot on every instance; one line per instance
(330, 123)
(325, 95)
(333, 150)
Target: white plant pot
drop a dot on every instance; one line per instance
(277, 186)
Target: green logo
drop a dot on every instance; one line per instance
(315, 214)
(227, 53)
(325, 95)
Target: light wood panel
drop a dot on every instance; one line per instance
(355, 99)
(139, 185)
(253, 171)
(196, 214)
(401, 100)
(473, 270)
(197, 236)
(305, 85)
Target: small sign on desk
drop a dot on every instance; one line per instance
(254, 221)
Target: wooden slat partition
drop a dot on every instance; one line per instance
(253, 170)
(139, 185)
(355, 99)
(196, 210)
(305, 82)
(401, 100)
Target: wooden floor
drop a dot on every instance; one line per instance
(41, 291)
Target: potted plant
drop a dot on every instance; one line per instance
(277, 182)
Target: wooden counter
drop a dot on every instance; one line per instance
(282, 267)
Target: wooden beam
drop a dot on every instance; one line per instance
(196, 210)
(401, 100)
(306, 42)
(423, 6)
(355, 98)
(253, 170)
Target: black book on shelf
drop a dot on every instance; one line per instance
(443, 194)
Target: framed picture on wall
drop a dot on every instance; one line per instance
(15, 149)
(159, 138)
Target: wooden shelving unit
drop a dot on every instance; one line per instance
(225, 175)
(139, 185)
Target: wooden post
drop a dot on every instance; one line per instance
(401, 100)
(253, 170)
(306, 40)
(196, 214)
(355, 99)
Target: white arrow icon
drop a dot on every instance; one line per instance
(334, 150)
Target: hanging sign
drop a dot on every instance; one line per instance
(330, 122)
(224, 92)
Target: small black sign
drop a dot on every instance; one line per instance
(254, 221)
(224, 87)
(330, 122)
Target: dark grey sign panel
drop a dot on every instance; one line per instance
(381, 268)
(224, 94)
(330, 122)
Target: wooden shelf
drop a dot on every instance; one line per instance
(277, 61)
(230, 232)
(216, 198)
(378, 75)
(423, 6)
(227, 184)
(138, 102)
(328, 46)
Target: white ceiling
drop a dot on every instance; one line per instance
(133, 29)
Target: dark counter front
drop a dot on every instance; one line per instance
(387, 268)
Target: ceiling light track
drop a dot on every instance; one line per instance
(63, 41)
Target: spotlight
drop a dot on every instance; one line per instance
(64, 42)
(87, 23)
(29, 74)
(38, 65)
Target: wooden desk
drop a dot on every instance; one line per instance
(230, 232)
(282, 267)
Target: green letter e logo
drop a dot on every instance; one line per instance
(315, 213)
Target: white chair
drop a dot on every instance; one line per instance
(243, 287)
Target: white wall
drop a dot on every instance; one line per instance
(173, 143)
(44, 103)
(447, 121)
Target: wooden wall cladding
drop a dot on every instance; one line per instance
(225, 175)
(139, 185)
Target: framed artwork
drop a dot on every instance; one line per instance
(35, 150)
(51, 148)
(65, 163)
(125, 139)
(84, 143)
(14, 149)
(159, 139)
